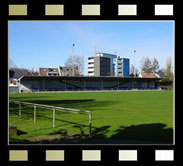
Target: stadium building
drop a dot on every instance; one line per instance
(64, 83)
(15, 74)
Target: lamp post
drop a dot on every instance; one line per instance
(73, 59)
(134, 51)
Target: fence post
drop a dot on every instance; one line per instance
(53, 117)
(34, 113)
(19, 110)
(90, 124)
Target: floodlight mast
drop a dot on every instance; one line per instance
(73, 59)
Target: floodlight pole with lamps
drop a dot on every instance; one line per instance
(73, 59)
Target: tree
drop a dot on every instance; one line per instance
(136, 72)
(133, 71)
(149, 66)
(146, 65)
(168, 68)
(76, 61)
(155, 65)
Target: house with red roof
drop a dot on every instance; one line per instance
(149, 75)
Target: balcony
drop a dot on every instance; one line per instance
(91, 69)
(91, 74)
(90, 60)
(90, 65)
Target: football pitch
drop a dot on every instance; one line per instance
(127, 117)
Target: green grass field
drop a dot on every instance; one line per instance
(136, 116)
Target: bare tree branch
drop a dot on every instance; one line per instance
(76, 61)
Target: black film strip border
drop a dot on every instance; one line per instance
(72, 10)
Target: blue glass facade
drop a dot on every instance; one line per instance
(115, 67)
(126, 67)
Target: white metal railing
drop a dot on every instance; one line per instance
(54, 108)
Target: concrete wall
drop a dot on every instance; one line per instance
(96, 66)
(13, 89)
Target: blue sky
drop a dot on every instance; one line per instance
(34, 44)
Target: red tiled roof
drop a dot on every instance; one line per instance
(149, 75)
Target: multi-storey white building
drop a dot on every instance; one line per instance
(91, 66)
(101, 65)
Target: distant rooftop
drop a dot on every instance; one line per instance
(149, 75)
(91, 78)
(105, 54)
(19, 72)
